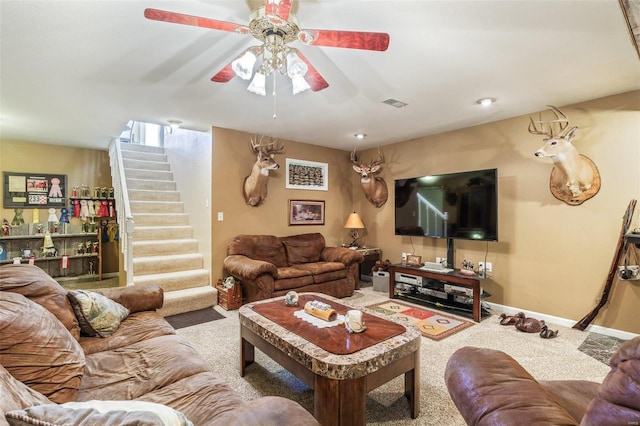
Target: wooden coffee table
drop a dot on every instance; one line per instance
(340, 367)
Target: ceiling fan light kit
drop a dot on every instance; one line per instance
(274, 26)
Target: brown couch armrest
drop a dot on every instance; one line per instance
(245, 268)
(489, 387)
(136, 298)
(269, 410)
(341, 254)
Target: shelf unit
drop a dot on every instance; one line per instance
(437, 290)
(87, 265)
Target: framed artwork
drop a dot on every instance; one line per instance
(33, 190)
(306, 212)
(413, 260)
(301, 174)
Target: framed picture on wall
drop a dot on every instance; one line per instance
(33, 190)
(306, 212)
(301, 174)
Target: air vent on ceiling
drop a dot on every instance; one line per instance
(395, 103)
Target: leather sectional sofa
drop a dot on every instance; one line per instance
(270, 266)
(47, 368)
(490, 388)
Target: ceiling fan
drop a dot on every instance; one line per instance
(275, 26)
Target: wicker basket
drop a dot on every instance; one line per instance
(229, 298)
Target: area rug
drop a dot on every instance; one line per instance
(433, 324)
(188, 319)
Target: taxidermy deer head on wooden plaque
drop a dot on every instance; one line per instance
(255, 185)
(575, 178)
(374, 187)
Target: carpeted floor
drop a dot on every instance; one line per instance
(546, 359)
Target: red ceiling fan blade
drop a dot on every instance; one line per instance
(313, 77)
(280, 8)
(196, 21)
(347, 39)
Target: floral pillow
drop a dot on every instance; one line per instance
(98, 315)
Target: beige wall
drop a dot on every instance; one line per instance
(551, 258)
(82, 166)
(232, 162)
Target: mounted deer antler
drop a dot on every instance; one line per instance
(374, 187)
(255, 185)
(575, 178)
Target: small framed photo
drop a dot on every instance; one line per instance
(306, 212)
(414, 260)
(301, 174)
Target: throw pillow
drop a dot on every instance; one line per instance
(305, 248)
(139, 413)
(37, 285)
(98, 315)
(36, 349)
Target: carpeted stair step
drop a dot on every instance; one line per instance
(145, 248)
(190, 299)
(155, 185)
(162, 232)
(169, 263)
(141, 148)
(144, 156)
(172, 281)
(148, 174)
(156, 207)
(149, 195)
(146, 165)
(157, 219)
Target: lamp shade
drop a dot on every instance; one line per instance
(354, 222)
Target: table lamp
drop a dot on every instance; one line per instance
(354, 223)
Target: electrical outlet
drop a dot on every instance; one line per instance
(488, 267)
(404, 257)
(482, 267)
(438, 259)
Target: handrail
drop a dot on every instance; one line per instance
(123, 208)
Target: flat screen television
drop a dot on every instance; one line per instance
(460, 205)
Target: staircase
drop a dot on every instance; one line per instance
(164, 250)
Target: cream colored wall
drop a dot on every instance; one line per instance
(551, 258)
(82, 166)
(232, 161)
(189, 154)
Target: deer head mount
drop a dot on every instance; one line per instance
(374, 187)
(255, 185)
(574, 178)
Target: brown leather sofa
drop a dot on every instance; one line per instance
(269, 266)
(490, 388)
(45, 362)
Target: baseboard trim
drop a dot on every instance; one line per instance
(550, 319)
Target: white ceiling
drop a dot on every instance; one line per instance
(73, 73)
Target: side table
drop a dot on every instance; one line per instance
(371, 255)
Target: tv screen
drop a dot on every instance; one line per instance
(460, 205)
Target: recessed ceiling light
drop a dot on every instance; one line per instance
(360, 136)
(486, 101)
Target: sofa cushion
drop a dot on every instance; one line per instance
(132, 371)
(97, 314)
(136, 327)
(304, 248)
(267, 248)
(15, 395)
(325, 271)
(34, 283)
(292, 277)
(38, 350)
(121, 413)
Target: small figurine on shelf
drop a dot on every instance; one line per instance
(94, 247)
(467, 268)
(80, 248)
(5, 228)
(85, 191)
(48, 248)
(74, 191)
(39, 230)
(103, 194)
(18, 219)
(110, 193)
(96, 192)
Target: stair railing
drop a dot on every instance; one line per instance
(123, 209)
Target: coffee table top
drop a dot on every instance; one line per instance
(375, 354)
